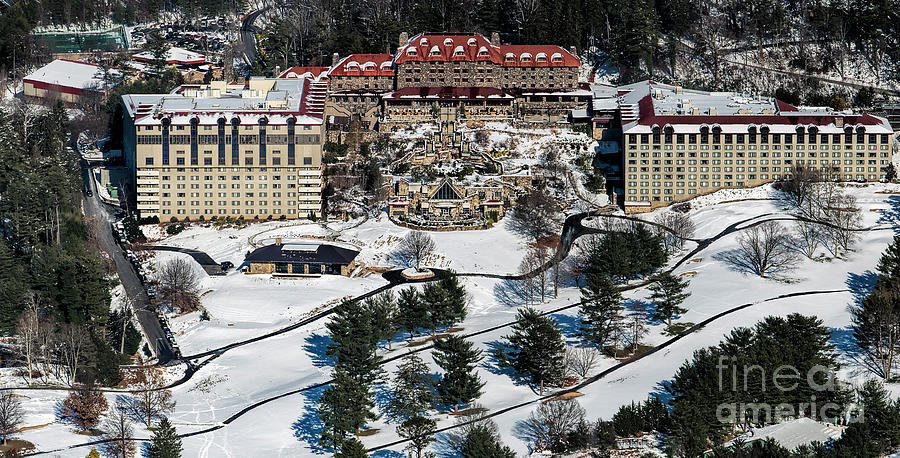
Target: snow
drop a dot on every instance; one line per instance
(69, 73)
(244, 306)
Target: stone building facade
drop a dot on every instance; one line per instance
(446, 201)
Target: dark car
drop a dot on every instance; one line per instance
(89, 193)
(227, 265)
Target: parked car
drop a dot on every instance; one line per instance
(227, 265)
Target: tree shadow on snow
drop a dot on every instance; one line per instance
(387, 454)
(308, 428)
(861, 284)
(570, 326)
(647, 309)
(891, 216)
(316, 345)
(738, 262)
(510, 293)
(493, 366)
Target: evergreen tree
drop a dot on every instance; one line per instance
(354, 342)
(889, 263)
(165, 442)
(419, 431)
(536, 348)
(481, 443)
(352, 448)
(93, 453)
(460, 383)
(384, 314)
(456, 297)
(601, 309)
(435, 300)
(12, 289)
(881, 416)
(413, 313)
(668, 294)
(413, 388)
(344, 407)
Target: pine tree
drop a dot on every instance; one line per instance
(93, 453)
(481, 443)
(165, 442)
(354, 342)
(889, 263)
(352, 448)
(384, 314)
(344, 407)
(419, 431)
(460, 383)
(668, 294)
(84, 406)
(880, 414)
(413, 314)
(413, 388)
(12, 288)
(601, 310)
(536, 348)
(435, 299)
(456, 297)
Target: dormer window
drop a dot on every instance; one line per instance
(526, 57)
(471, 42)
(541, 57)
(435, 51)
(510, 57)
(423, 42)
(482, 51)
(448, 41)
(556, 57)
(412, 52)
(459, 52)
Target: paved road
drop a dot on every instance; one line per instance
(248, 35)
(144, 311)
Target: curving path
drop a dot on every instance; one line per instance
(573, 228)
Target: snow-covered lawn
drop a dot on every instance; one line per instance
(247, 306)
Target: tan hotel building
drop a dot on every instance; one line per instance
(679, 144)
(219, 150)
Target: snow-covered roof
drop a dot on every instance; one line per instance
(274, 100)
(647, 105)
(68, 73)
(794, 433)
(175, 56)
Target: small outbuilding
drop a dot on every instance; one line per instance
(307, 258)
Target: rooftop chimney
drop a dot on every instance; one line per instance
(335, 58)
(277, 70)
(838, 121)
(404, 39)
(278, 241)
(495, 39)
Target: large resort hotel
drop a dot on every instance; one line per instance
(679, 143)
(251, 150)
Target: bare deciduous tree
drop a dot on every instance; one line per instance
(72, 344)
(802, 186)
(580, 360)
(179, 284)
(415, 247)
(680, 228)
(151, 399)
(551, 422)
(637, 329)
(765, 249)
(843, 215)
(117, 431)
(10, 415)
(27, 330)
(536, 215)
(809, 236)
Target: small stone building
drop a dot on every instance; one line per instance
(311, 259)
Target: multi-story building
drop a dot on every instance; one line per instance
(222, 150)
(679, 144)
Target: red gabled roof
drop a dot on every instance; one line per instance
(301, 72)
(364, 65)
(537, 56)
(466, 47)
(474, 47)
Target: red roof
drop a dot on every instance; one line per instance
(536, 56)
(298, 72)
(364, 65)
(784, 116)
(448, 93)
(470, 47)
(474, 47)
